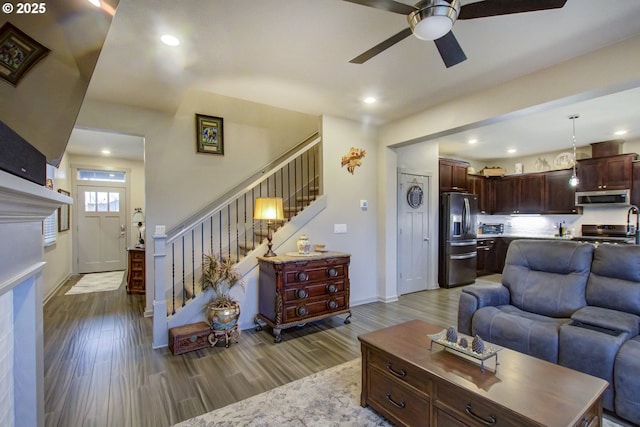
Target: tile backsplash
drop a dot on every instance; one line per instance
(547, 225)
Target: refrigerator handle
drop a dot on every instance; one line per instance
(466, 216)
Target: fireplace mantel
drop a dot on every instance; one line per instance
(23, 207)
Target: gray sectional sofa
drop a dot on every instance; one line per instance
(569, 303)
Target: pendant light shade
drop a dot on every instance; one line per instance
(574, 181)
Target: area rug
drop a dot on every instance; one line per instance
(327, 398)
(97, 282)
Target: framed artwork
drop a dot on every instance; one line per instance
(18, 53)
(63, 214)
(209, 135)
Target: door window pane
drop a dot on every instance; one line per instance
(103, 201)
(114, 202)
(89, 201)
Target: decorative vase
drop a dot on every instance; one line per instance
(304, 245)
(223, 318)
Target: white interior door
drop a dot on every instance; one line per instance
(413, 233)
(101, 229)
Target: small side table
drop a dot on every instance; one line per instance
(228, 335)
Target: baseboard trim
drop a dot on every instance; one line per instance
(53, 292)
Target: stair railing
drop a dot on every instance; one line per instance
(226, 227)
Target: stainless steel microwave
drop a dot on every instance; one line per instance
(604, 197)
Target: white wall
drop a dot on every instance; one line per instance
(58, 256)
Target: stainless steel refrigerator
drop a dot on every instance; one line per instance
(457, 249)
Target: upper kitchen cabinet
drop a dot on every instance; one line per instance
(519, 194)
(559, 196)
(606, 173)
(453, 175)
(635, 187)
(482, 187)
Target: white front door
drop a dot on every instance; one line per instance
(413, 233)
(102, 229)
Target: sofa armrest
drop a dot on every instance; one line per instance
(477, 296)
(607, 319)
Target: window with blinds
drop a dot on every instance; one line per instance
(50, 224)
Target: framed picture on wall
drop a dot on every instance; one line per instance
(209, 134)
(18, 53)
(63, 214)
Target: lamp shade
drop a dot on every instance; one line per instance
(269, 208)
(138, 216)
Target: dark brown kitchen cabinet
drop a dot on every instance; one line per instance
(505, 191)
(486, 258)
(606, 173)
(521, 194)
(559, 196)
(453, 175)
(531, 193)
(482, 187)
(635, 186)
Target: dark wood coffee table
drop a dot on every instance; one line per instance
(412, 386)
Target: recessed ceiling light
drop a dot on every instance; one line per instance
(106, 152)
(472, 141)
(620, 132)
(369, 100)
(96, 3)
(511, 150)
(170, 40)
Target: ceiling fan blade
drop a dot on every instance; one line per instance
(450, 50)
(364, 57)
(488, 8)
(388, 5)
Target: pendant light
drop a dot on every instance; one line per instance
(574, 181)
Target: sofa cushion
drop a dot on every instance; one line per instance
(528, 333)
(614, 281)
(548, 277)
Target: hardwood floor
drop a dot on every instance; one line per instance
(100, 369)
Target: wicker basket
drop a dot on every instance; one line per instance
(494, 171)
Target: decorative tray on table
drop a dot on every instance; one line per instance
(488, 351)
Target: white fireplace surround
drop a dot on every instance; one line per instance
(23, 207)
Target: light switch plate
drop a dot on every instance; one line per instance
(364, 204)
(339, 228)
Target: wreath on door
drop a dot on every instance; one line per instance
(415, 196)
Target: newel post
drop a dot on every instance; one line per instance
(160, 331)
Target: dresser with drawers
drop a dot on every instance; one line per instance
(294, 290)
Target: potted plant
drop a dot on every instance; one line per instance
(220, 275)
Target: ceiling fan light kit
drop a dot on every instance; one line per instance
(433, 19)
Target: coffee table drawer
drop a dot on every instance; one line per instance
(396, 401)
(470, 410)
(403, 371)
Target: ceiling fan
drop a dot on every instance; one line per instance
(433, 19)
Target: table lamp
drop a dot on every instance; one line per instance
(138, 219)
(268, 209)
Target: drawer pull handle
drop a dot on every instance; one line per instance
(586, 423)
(400, 405)
(332, 272)
(302, 293)
(302, 276)
(400, 374)
(491, 421)
(302, 311)
(333, 304)
(332, 289)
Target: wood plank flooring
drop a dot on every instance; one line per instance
(101, 371)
